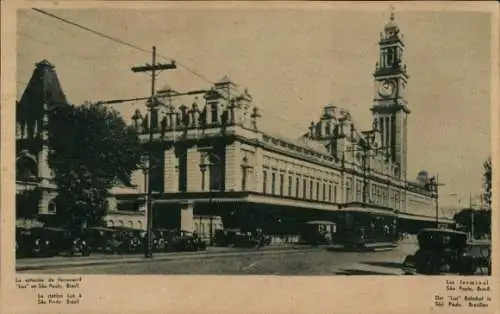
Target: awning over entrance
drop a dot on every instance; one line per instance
(369, 210)
(242, 197)
(425, 218)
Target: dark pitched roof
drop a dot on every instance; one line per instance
(43, 88)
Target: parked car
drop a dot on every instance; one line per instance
(225, 237)
(104, 240)
(50, 241)
(480, 250)
(160, 239)
(185, 241)
(441, 251)
(131, 239)
(245, 239)
(24, 243)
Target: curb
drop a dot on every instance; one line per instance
(136, 260)
(363, 249)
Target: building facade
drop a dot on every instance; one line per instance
(215, 165)
(214, 157)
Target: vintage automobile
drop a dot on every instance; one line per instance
(184, 241)
(132, 241)
(441, 251)
(480, 250)
(24, 244)
(160, 238)
(225, 237)
(104, 240)
(245, 239)
(50, 241)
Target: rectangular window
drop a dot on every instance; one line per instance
(282, 183)
(324, 191)
(290, 185)
(304, 188)
(358, 190)
(311, 187)
(215, 114)
(317, 191)
(243, 178)
(348, 190)
(182, 172)
(335, 193)
(297, 187)
(273, 183)
(264, 181)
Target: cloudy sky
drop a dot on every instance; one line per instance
(293, 61)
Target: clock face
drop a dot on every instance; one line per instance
(386, 88)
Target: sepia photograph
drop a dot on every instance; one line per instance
(272, 149)
(272, 153)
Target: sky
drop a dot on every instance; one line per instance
(293, 62)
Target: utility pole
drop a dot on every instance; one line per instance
(471, 217)
(152, 105)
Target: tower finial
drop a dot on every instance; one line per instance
(392, 13)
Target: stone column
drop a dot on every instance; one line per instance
(187, 221)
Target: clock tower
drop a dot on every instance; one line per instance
(390, 109)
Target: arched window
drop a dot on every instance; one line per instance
(244, 173)
(111, 223)
(26, 168)
(215, 113)
(121, 223)
(52, 206)
(131, 224)
(215, 168)
(264, 181)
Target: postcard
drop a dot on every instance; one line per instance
(254, 157)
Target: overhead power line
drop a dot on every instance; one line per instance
(120, 41)
(91, 30)
(133, 46)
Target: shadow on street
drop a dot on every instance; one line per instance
(385, 264)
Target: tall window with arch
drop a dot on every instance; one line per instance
(348, 190)
(282, 183)
(214, 113)
(311, 188)
(304, 188)
(290, 181)
(273, 183)
(182, 170)
(245, 168)
(297, 187)
(215, 169)
(264, 181)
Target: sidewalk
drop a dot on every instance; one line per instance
(102, 259)
(370, 247)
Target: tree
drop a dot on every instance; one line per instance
(90, 148)
(481, 220)
(487, 184)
